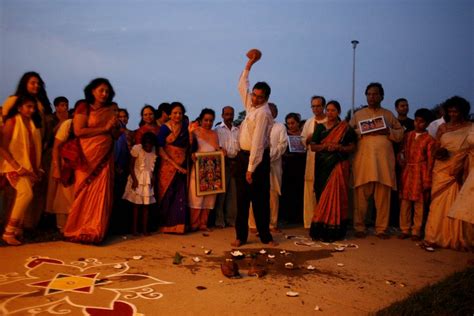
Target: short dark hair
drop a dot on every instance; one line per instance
(59, 100)
(124, 110)
(377, 85)
(227, 107)
(94, 84)
(400, 100)
(461, 104)
(206, 111)
(336, 104)
(163, 107)
(149, 138)
(262, 85)
(425, 114)
(22, 99)
(323, 99)
(293, 115)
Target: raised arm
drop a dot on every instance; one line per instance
(243, 87)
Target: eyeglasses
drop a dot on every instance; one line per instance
(261, 97)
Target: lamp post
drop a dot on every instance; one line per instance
(354, 45)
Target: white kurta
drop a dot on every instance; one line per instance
(309, 196)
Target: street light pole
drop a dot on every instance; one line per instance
(354, 45)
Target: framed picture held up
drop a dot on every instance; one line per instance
(372, 125)
(210, 173)
(295, 144)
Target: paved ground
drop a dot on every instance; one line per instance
(136, 275)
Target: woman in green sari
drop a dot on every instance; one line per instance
(333, 142)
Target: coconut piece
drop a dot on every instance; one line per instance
(289, 265)
(137, 257)
(292, 294)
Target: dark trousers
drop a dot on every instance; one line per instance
(258, 192)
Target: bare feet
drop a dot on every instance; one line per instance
(253, 230)
(273, 243)
(275, 230)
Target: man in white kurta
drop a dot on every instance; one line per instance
(317, 106)
(374, 163)
(226, 203)
(278, 144)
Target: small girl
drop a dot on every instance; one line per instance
(21, 152)
(139, 188)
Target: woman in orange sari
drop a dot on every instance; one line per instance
(94, 123)
(333, 141)
(173, 143)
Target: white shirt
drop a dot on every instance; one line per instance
(255, 129)
(278, 141)
(228, 139)
(433, 127)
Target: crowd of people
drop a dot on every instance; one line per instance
(97, 176)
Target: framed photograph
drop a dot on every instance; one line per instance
(210, 173)
(295, 144)
(372, 125)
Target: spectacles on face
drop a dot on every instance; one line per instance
(260, 97)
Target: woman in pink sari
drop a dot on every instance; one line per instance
(333, 141)
(95, 123)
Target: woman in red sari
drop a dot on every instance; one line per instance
(95, 123)
(332, 141)
(147, 124)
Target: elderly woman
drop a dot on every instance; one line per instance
(95, 123)
(448, 174)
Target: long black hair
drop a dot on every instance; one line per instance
(42, 95)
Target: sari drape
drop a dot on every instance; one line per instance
(331, 184)
(440, 229)
(90, 211)
(172, 196)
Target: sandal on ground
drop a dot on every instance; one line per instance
(11, 240)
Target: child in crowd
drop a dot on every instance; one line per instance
(139, 188)
(21, 153)
(417, 159)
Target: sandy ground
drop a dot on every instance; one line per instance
(355, 281)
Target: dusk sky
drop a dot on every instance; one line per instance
(194, 51)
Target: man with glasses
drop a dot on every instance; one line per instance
(253, 159)
(317, 107)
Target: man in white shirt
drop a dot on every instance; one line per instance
(278, 144)
(226, 203)
(253, 160)
(309, 202)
